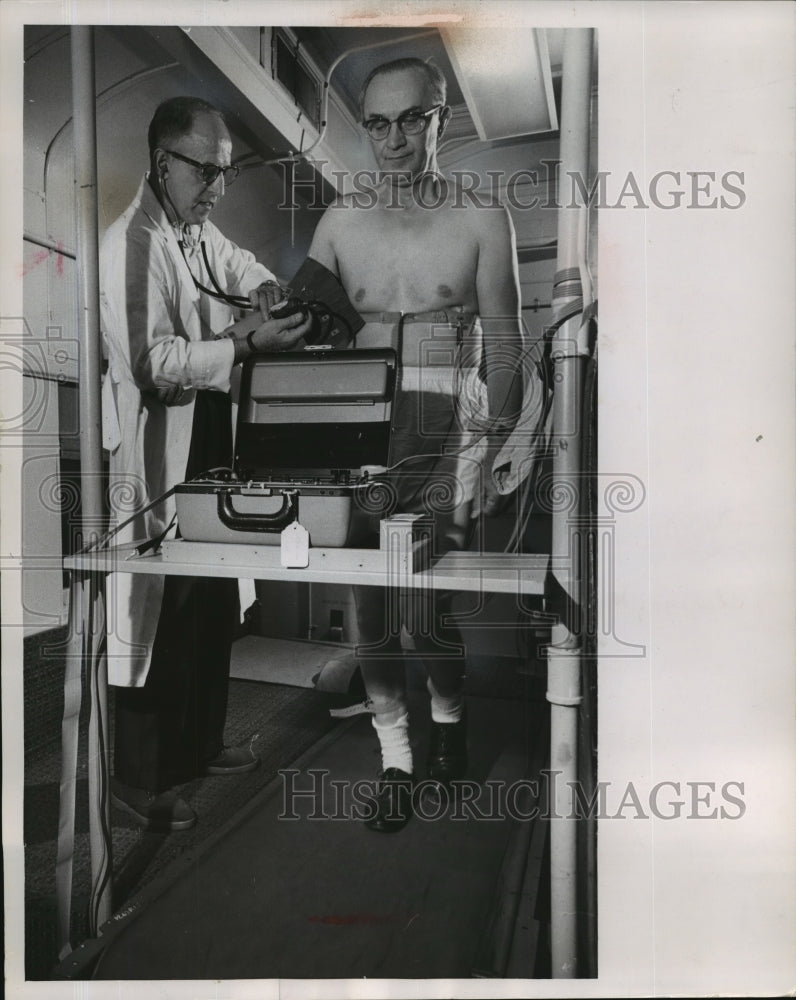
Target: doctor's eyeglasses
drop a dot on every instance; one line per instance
(209, 171)
(411, 122)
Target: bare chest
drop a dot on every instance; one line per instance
(391, 262)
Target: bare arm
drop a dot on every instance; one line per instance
(497, 285)
(324, 241)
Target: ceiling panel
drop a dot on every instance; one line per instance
(506, 80)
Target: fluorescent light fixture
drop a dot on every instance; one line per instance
(505, 78)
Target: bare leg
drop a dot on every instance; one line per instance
(384, 675)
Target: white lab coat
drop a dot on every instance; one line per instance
(158, 331)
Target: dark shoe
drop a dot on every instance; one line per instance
(447, 751)
(393, 802)
(161, 813)
(232, 760)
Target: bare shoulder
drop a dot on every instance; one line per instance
(340, 215)
(481, 210)
(328, 234)
(333, 227)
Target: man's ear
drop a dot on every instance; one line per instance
(444, 118)
(161, 164)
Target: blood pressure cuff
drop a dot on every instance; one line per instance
(315, 284)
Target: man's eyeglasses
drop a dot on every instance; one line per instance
(410, 123)
(209, 171)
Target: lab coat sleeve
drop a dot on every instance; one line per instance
(154, 326)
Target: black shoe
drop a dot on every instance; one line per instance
(232, 760)
(161, 813)
(447, 751)
(393, 802)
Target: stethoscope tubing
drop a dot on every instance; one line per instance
(238, 301)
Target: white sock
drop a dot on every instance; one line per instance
(396, 750)
(445, 709)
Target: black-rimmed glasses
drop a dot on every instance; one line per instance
(411, 122)
(209, 171)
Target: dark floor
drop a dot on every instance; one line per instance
(283, 721)
(245, 894)
(320, 896)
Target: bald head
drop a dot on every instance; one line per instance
(431, 75)
(179, 116)
(189, 143)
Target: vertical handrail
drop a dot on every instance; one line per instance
(569, 356)
(90, 410)
(85, 160)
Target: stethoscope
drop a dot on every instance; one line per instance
(238, 301)
(216, 292)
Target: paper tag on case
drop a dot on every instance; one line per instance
(295, 546)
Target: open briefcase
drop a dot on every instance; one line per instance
(311, 427)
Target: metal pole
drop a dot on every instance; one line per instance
(564, 656)
(85, 160)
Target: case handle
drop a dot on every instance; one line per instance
(277, 521)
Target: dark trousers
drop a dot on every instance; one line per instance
(168, 729)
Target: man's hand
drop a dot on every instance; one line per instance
(265, 297)
(272, 335)
(492, 502)
(170, 395)
(280, 334)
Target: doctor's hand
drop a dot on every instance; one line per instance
(265, 297)
(280, 334)
(170, 395)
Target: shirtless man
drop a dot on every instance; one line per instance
(413, 244)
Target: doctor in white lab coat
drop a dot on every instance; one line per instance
(169, 284)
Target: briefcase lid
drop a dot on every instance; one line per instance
(316, 413)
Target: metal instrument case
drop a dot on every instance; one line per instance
(310, 424)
